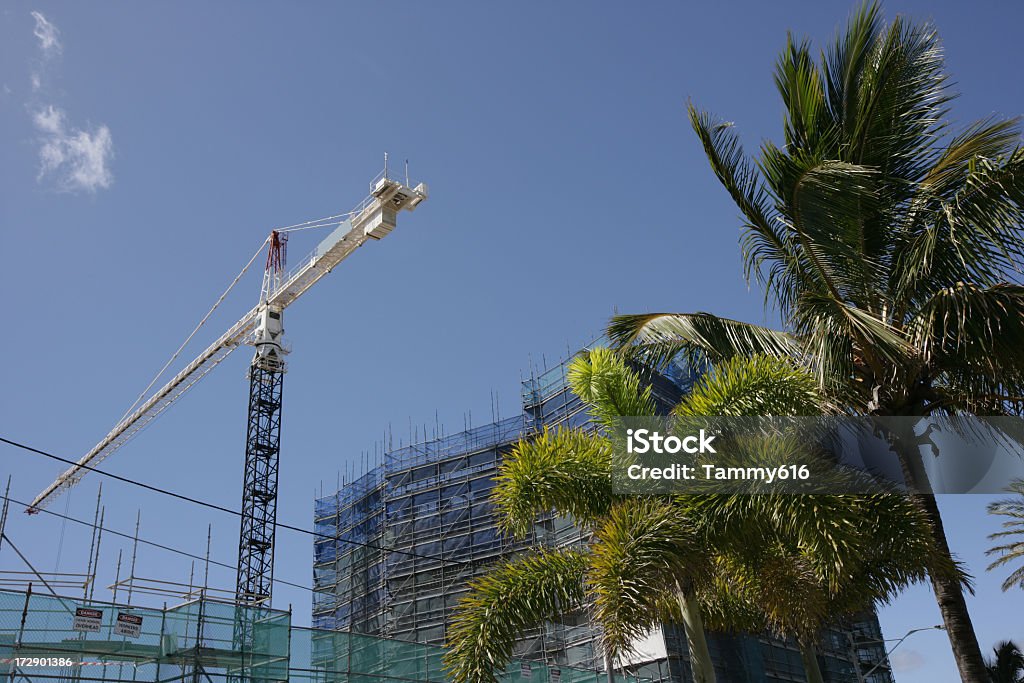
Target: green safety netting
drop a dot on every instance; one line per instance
(48, 638)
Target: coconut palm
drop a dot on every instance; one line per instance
(740, 559)
(1013, 530)
(1008, 664)
(888, 244)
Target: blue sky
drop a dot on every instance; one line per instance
(148, 149)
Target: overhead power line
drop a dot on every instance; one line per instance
(220, 508)
(161, 546)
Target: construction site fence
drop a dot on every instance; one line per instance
(50, 638)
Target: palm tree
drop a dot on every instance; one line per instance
(739, 559)
(770, 579)
(1013, 528)
(1008, 664)
(841, 555)
(888, 244)
(642, 545)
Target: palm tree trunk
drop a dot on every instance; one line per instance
(809, 655)
(693, 623)
(950, 596)
(948, 590)
(609, 666)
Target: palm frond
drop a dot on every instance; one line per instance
(1012, 509)
(768, 586)
(601, 379)
(982, 327)
(657, 338)
(901, 101)
(968, 226)
(567, 470)
(763, 240)
(644, 550)
(514, 596)
(839, 335)
(756, 386)
(840, 554)
(989, 138)
(728, 610)
(826, 205)
(971, 338)
(846, 61)
(1007, 666)
(986, 216)
(802, 88)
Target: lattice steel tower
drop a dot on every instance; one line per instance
(254, 585)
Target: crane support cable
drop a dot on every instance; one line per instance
(324, 222)
(202, 322)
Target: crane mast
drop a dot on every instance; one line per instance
(255, 576)
(263, 328)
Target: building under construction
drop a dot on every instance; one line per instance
(400, 542)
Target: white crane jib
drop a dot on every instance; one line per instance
(374, 218)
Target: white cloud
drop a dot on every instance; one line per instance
(906, 660)
(49, 120)
(48, 35)
(77, 159)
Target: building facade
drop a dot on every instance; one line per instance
(398, 544)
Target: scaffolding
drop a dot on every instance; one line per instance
(50, 638)
(407, 536)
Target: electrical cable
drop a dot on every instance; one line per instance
(236, 513)
(154, 544)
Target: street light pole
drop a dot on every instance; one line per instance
(862, 677)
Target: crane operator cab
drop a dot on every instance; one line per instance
(268, 339)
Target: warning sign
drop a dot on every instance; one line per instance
(128, 625)
(87, 619)
(525, 670)
(556, 675)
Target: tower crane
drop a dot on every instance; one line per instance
(263, 328)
